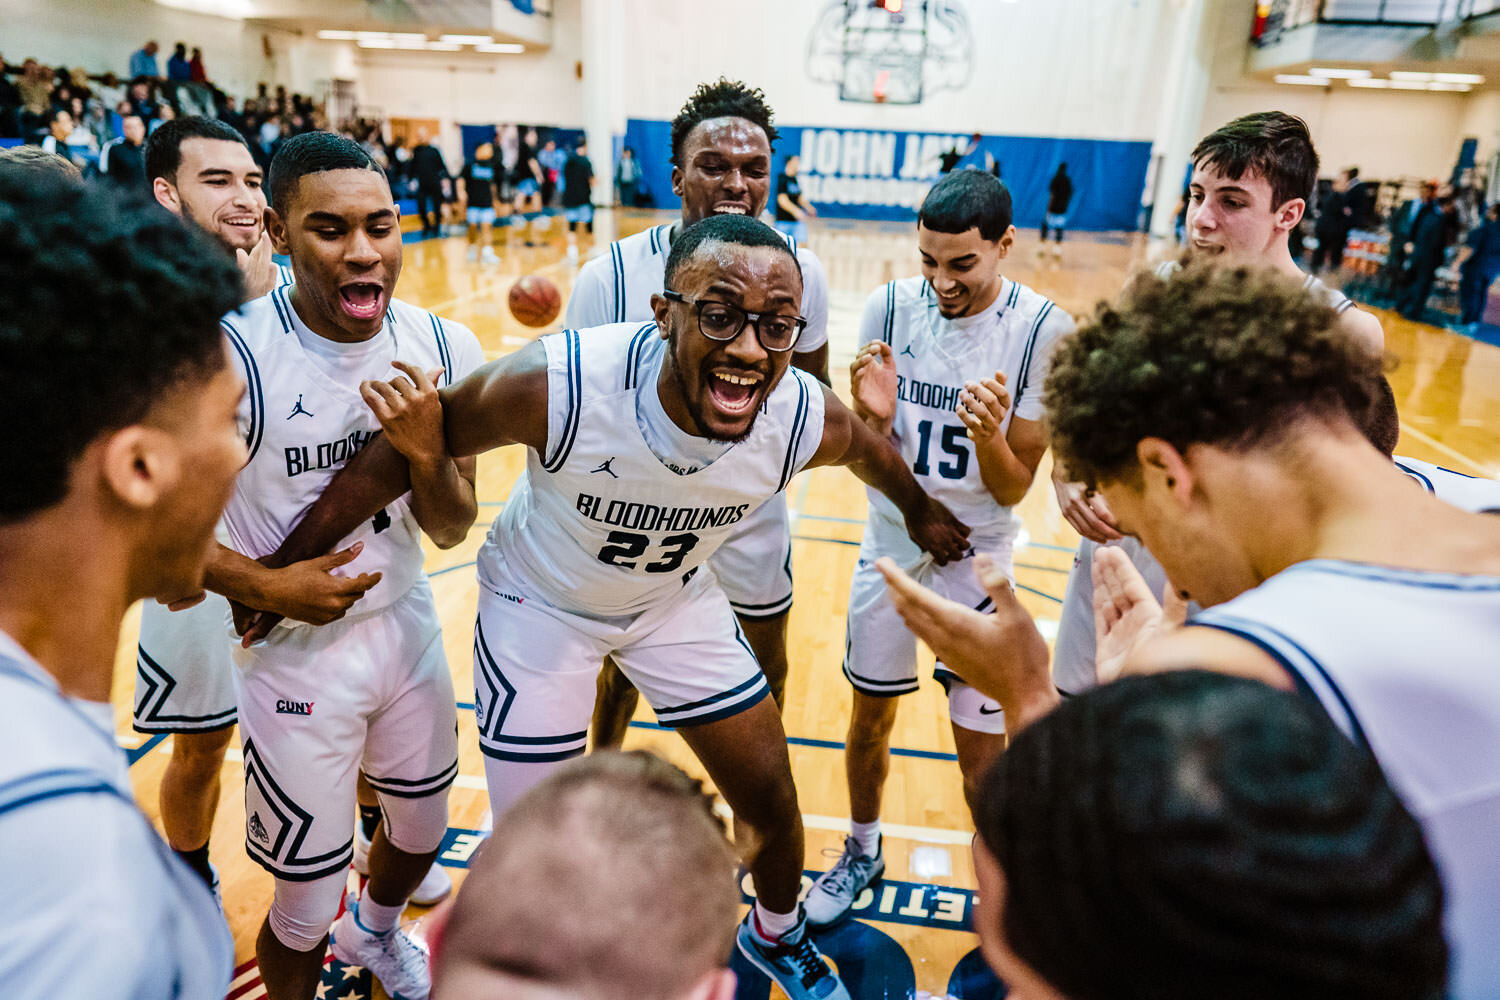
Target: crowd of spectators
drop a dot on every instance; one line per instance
(99, 121)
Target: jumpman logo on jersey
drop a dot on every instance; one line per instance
(299, 408)
(258, 829)
(908, 351)
(604, 467)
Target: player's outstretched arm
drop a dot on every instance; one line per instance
(847, 441)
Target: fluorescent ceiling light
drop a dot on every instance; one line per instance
(1372, 84)
(466, 39)
(1304, 81)
(409, 36)
(443, 47)
(1397, 74)
(1458, 78)
(376, 43)
(1462, 88)
(1334, 73)
(1408, 84)
(338, 36)
(410, 43)
(501, 47)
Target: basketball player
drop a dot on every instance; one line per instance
(556, 904)
(721, 165)
(201, 169)
(371, 692)
(952, 368)
(115, 501)
(599, 547)
(1322, 570)
(1192, 835)
(1248, 193)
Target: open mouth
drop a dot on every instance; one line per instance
(242, 221)
(361, 299)
(1207, 247)
(731, 208)
(735, 391)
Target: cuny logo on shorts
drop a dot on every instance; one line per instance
(285, 707)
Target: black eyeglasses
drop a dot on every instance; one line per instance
(723, 322)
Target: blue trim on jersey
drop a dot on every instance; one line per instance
(253, 388)
(33, 788)
(1268, 640)
(1036, 329)
(798, 423)
(890, 311)
(1015, 295)
(617, 268)
(634, 352)
(421, 788)
(1426, 483)
(575, 403)
(658, 238)
(444, 354)
(286, 275)
(1424, 579)
(283, 308)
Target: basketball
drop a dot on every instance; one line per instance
(535, 301)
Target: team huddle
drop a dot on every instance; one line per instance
(1225, 426)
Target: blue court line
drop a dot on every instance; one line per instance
(1051, 548)
(1039, 593)
(1044, 569)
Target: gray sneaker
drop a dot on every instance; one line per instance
(835, 891)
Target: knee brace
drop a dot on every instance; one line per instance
(302, 912)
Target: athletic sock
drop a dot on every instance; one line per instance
(376, 917)
(867, 836)
(771, 926)
(198, 861)
(369, 820)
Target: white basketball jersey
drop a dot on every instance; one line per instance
(597, 525)
(302, 427)
(1331, 297)
(616, 287)
(1404, 662)
(934, 357)
(1469, 492)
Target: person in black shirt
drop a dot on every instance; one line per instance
(123, 160)
(1059, 197)
(578, 195)
(527, 178)
(1435, 229)
(431, 173)
(478, 189)
(792, 209)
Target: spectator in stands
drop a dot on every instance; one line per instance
(628, 177)
(96, 120)
(556, 905)
(1332, 227)
(177, 66)
(1479, 266)
(142, 101)
(578, 195)
(123, 160)
(196, 72)
(552, 159)
(164, 113)
(1189, 834)
(110, 91)
(36, 98)
(143, 63)
(232, 116)
(10, 106)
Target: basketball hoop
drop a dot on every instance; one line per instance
(891, 54)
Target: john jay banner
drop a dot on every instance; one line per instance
(884, 175)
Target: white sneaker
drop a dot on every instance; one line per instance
(488, 256)
(400, 963)
(472, 255)
(434, 887)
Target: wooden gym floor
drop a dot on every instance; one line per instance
(910, 934)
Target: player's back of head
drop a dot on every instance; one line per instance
(722, 98)
(164, 146)
(107, 301)
(1188, 834)
(740, 230)
(1273, 144)
(38, 160)
(967, 199)
(610, 879)
(1233, 357)
(312, 153)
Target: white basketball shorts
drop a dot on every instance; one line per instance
(535, 666)
(880, 653)
(754, 565)
(318, 705)
(184, 669)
